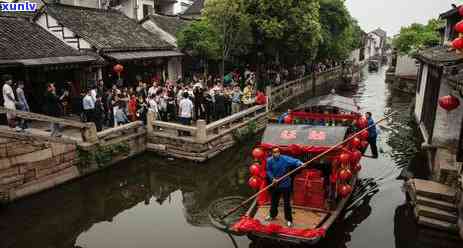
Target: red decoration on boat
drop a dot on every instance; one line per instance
(317, 135)
(457, 43)
(364, 144)
(344, 190)
(356, 142)
(344, 158)
(258, 153)
(460, 10)
(249, 224)
(254, 169)
(254, 182)
(449, 102)
(288, 119)
(118, 69)
(362, 122)
(356, 156)
(459, 27)
(356, 167)
(345, 174)
(288, 134)
(364, 135)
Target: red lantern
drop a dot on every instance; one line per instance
(344, 158)
(356, 167)
(356, 156)
(362, 122)
(118, 69)
(364, 144)
(457, 43)
(449, 103)
(258, 153)
(288, 119)
(254, 169)
(344, 190)
(364, 135)
(254, 182)
(345, 174)
(355, 142)
(459, 27)
(460, 10)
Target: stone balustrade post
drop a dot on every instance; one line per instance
(149, 122)
(201, 134)
(268, 93)
(89, 134)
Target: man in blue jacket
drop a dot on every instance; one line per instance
(372, 135)
(277, 166)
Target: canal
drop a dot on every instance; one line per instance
(158, 202)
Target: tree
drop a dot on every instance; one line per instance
(417, 36)
(201, 40)
(231, 26)
(340, 32)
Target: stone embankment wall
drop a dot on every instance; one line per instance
(28, 166)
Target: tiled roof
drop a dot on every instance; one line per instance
(21, 39)
(450, 13)
(440, 56)
(108, 30)
(170, 24)
(195, 8)
(380, 32)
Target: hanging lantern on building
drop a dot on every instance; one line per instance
(258, 153)
(254, 182)
(254, 169)
(449, 102)
(118, 68)
(344, 190)
(288, 119)
(457, 43)
(345, 174)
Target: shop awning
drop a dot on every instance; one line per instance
(53, 60)
(121, 56)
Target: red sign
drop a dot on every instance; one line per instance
(288, 134)
(317, 135)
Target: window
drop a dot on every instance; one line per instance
(147, 10)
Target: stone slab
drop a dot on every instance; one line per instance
(425, 201)
(437, 224)
(434, 190)
(436, 213)
(32, 157)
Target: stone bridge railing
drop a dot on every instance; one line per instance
(284, 93)
(202, 141)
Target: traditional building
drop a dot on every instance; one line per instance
(115, 37)
(35, 56)
(194, 11)
(165, 26)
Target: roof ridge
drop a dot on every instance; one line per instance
(83, 7)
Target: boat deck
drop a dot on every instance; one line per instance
(302, 218)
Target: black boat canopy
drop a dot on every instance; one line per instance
(331, 100)
(305, 135)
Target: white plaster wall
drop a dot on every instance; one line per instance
(42, 21)
(406, 66)
(140, 7)
(420, 94)
(174, 68)
(155, 29)
(355, 55)
(179, 7)
(127, 7)
(447, 124)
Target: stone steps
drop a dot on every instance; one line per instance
(442, 205)
(434, 190)
(437, 224)
(437, 214)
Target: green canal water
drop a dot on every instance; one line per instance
(151, 202)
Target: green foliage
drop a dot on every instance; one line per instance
(102, 155)
(200, 39)
(340, 32)
(243, 134)
(417, 36)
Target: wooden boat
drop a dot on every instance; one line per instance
(321, 190)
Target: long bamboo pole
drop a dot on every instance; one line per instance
(304, 165)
